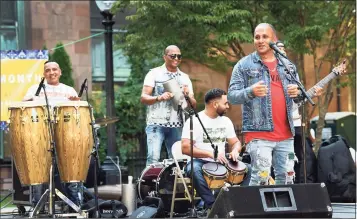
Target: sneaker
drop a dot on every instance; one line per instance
(203, 213)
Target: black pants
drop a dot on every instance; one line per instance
(311, 162)
(71, 190)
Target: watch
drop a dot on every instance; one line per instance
(157, 99)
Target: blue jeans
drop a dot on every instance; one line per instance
(200, 183)
(265, 154)
(156, 135)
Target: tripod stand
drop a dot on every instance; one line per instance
(52, 191)
(193, 213)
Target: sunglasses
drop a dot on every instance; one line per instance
(174, 56)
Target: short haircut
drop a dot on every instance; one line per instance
(214, 94)
(167, 49)
(269, 25)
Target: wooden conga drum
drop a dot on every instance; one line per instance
(74, 140)
(30, 142)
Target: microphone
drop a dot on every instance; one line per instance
(82, 88)
(276, 49)
(40, 86)
(215, 151)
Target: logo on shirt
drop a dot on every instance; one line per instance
(275, 78)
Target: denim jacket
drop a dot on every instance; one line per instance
(257, 111)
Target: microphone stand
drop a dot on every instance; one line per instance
(94, 154)
(304, 96)
(193, 213)
(53, 157)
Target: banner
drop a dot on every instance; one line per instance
(20, 69)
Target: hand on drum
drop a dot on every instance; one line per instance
(74, 98)
(234, 155)
(222, 158)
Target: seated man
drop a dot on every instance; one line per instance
(221, 130)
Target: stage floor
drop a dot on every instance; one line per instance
(340, 210)
(344, 210)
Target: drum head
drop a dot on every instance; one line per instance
(72, 103)
(215, 169)
(236, 166)
(147, 181)
(26, 104)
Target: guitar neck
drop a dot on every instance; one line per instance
(321, 83)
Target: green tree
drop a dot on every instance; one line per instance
(209, 32)
(311, 26)
(62, 58)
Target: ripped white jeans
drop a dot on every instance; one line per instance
(264, 154)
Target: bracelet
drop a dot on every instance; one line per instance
(157, 99)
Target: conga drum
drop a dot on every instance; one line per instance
(74, 140)
(30, 142)
(215, 175)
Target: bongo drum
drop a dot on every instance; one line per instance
(236, 172)
(215, 174)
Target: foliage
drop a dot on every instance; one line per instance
(96, 100)
(62, 58)
(209, 32)
(310, 26)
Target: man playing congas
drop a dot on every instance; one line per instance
(56, 92)
(221, 131)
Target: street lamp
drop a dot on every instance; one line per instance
(104, 7)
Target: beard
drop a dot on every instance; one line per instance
(221, 112)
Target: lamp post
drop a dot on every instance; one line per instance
(108, 22)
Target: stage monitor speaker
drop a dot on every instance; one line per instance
(21, 195)
(300, 200)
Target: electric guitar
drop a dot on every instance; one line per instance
(336, 71)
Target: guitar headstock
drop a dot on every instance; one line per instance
(340, 69)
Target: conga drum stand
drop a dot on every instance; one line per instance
(52, 191)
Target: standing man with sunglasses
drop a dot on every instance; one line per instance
(163, 122)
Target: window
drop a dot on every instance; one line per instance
(8, 25)
(121, 67)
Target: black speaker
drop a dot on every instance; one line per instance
(300, 200)
(21, 195)
(152, 207)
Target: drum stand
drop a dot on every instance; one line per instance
(193, 212)
(95, 155)
(52, 191)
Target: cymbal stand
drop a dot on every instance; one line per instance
(52, 191)
(94, 154)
